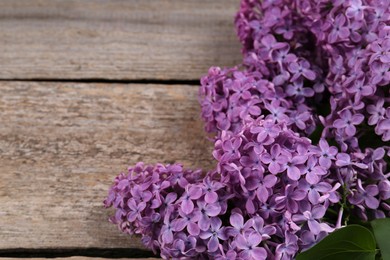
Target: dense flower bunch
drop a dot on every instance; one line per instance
(301, 139)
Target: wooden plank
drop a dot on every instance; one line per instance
(123, 40)
(62, 144)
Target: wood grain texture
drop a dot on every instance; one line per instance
(62, 144)
(116, 39)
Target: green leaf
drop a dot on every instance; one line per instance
(350, 242)
(381, 228)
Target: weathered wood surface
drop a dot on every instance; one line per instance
(117, 39)
(61, 145)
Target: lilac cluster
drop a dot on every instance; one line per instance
(301, 139)
(183, 215)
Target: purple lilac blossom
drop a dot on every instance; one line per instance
(301, 139)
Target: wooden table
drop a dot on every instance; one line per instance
(86, 89)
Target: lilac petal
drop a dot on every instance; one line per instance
(213, 210)
(350, 130)
(262, 193)
(371, 202)
(312, 178)
(170, 198)
(250, 207)
(314, 226)
(236, 220)
(132, 216)
(309, 74)
(193, 229)
(213, 243)
(205, 234)
(211, 197)
(179, 224)
(241, 242)
(314, 197)
(274, 167)
(204, 222)
(167, 236)
(298, 195)
(293, 173)
(254, 239)
(372, 190)
(318, 212)
(187, 206)
(195, 193)
(325, 162)
(259, 253)
(269, 181)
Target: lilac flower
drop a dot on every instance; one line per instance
(209, 190)
(314, 190)
(301, 68)
(327, 152)
(380, 73)
(207, 211)
(293, 172)
(275, 159)
(339, 31)
(135, 210)
(188, 220)
(291, 197)
(347, 122)
(311, 218)
(287, 249)
(238, 226)
(265, 183)
(215, 232)
(380, 51)
(297, 89)
(264, 231)
(192, 193)
(367, 195)
(269, 43)
(355, 9)
(249, 244)
(313, 170)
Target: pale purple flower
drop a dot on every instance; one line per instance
(347, 122)
(290, 198)
(339, 30)
(297, 89)
(207, 211)
(380, 73)
(380, 51)
(213, 234)
(327, 153)
(287, 249)
(311, 218)
(275, 159)
(188, 221)
(265, 231)
(315, 191)
(238, 225)
(301, 68)
(135, 210)
(192, 193)
(376, 111)
(249, 244)
(366, 195)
